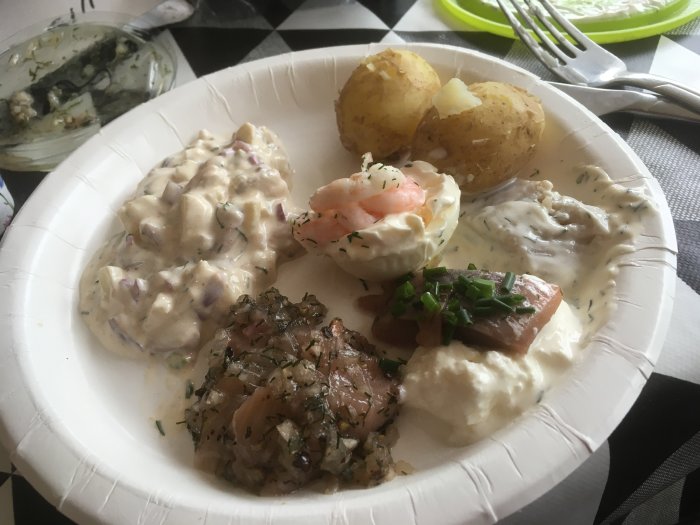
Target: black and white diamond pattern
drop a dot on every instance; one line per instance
(6, 506)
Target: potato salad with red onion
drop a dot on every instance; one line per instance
(206, 226)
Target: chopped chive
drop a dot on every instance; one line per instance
(405, 292)
(449, 317)
(495, 303)
(525, 310)
(486, 287)
(463, 318)
(429, 302)
(159, 426)
(445, 287)
(482, 311)
(503, 306)
(472, 292)
(457, 299)
(508, 281)
(407, 277)
(432, 287)
(434, 273)
(448, 331)
(461, 284)
(512, 299)
(398, 308)
(471, 266)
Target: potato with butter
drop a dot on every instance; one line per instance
(482, 134)
(383, 101)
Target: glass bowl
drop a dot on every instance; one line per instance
(65, 78)
(7, 207)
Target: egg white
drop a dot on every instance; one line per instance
(401, 242)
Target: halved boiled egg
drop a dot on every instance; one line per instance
(381, 222)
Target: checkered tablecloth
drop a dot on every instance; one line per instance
(648, 470)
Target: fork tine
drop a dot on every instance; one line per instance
(527, 38)
(544, 20)
(570, 28)
(523, 34)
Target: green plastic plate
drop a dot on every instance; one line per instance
(622, 29)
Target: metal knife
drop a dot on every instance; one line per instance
(603, 101)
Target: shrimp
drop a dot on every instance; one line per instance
(356, 202)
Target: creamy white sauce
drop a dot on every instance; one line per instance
(527, 227)
(403, 241)
(600, 10)
(202, 229)
(475, 392)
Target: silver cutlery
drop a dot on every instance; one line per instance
(602, 101)
(584, 62)
(164, 13)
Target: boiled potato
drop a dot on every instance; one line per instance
(383, 101)
(481, 134)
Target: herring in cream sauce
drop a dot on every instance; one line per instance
(527, 227)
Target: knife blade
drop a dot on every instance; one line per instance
(603, 101)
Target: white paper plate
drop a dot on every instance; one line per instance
(79, 422)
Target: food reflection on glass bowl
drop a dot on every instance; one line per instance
(65, 78)
(7, 207)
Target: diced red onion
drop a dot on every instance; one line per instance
(279, 211)
(150, 232)
(168, 284)
(135, 286)
(121, 333)
(171, 192)
(126, 282)
(212, 292)
(239, 144)
(138, 288)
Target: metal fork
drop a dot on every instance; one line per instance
(585, 64)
